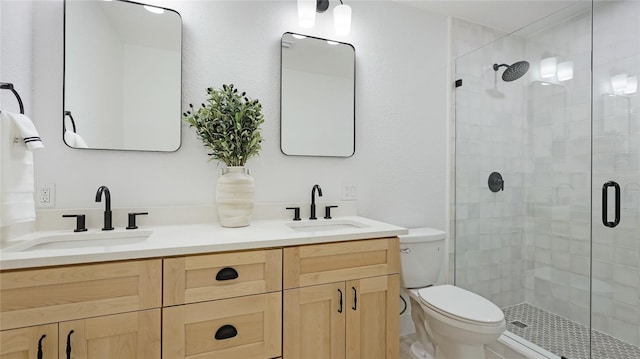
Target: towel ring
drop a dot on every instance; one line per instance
(64, 123)
(9, 86)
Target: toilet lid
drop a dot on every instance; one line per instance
(460, 303)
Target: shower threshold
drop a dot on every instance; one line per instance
(536, 333)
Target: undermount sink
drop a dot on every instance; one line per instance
(80, 240)
(326, 225)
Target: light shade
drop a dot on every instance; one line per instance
(342, 19)
(619, 83)
(307, 13)
(632, 85)
(565, 71)
(548, 67)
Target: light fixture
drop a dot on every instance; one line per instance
(341, 15)
(565, 71)
(342, 19)
(548, 67)
(632, 85)
(153, 9)
(619, 83)
(307, 13)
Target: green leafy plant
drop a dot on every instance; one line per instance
(228, 125)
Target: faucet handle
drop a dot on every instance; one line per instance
(132, 219)
(296, 213)
(80, 221)
(327, 211)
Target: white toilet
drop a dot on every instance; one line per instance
(451, 323)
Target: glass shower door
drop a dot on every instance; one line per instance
(615, 283)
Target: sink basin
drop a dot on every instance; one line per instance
(80, 240)
(326, 225)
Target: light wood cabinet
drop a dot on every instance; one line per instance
(314, 322)
(104, 306)
(223, 305)
(41, 296)
(372, 327)
(340, 301)
(200, 278)
(247, 327)
(123, 336)
(356, 316)
(27, 343)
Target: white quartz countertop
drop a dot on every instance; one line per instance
(32, 250)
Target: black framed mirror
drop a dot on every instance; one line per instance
(122, 76)
(317, 102)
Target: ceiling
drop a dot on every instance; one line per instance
(505, 15)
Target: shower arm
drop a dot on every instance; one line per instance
(496, 66)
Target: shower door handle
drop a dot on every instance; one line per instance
(605, 204)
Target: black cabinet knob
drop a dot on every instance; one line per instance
(80, 221)
(132, 219)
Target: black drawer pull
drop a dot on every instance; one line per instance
(225, 332)
(355, 299)
(227, 274)
(340, 309)
(69, 344)
(40, 346)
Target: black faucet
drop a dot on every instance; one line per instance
(313, 200)
(107, 207)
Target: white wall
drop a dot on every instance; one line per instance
(399, 165)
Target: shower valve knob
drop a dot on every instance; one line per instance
(496, 183)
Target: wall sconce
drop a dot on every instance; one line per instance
(548, 67)
(341, 15)
(565, 71)
(623, 84)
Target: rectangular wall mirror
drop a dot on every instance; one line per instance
(317, 100)
(122, 76)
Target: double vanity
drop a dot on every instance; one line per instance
(327, 288)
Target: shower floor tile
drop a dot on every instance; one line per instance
(564, 337)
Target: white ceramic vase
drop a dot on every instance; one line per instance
(235, 197)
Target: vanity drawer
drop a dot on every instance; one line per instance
(40, 296)
(200, 278)
(236, 328)
(336, 262)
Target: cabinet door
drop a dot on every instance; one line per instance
(239, 328)
(29, 343)
(314, 320)
(372, 317)
(129, 335)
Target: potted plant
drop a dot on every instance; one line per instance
(228, 125)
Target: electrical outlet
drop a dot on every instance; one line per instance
(349, 192)
(46, 196)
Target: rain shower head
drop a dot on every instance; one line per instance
(513, 72)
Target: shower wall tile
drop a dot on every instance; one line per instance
(540, 139)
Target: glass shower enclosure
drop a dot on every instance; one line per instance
(547, 180)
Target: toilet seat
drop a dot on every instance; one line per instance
(461, 305)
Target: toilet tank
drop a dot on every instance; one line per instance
(422, 252)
